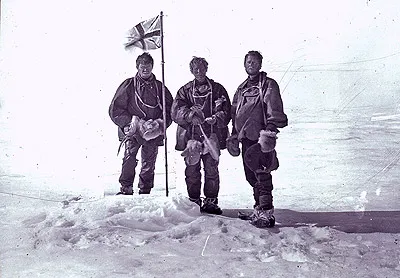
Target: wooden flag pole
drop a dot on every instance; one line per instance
(164, 105)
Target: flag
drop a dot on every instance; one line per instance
(145, 35)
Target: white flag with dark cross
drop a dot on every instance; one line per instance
(145, 35)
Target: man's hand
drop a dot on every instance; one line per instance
(219, 102)
(128, 131)
(151, 129)
(196, 108)
(211, 120)
(195, 116)
(196, 120)
(150, 125)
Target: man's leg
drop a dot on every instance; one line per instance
(211, 185)
(211, 176)
(146, 177)
(249, 174)
(193, 182)
(262, 191)
(265, 187)
(129, 163)
(263, 214)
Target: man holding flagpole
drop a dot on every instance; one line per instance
(138, 111)
(141, 109)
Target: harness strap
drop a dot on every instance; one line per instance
(205, 96)
(137, 97)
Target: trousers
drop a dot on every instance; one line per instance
(261, 182)
(149, 151)
(211, 178)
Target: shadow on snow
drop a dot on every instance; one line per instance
(346, 221)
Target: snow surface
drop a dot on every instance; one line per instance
(337, 189)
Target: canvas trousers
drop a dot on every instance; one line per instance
(260, 181)
(149, 151)
(211, 178)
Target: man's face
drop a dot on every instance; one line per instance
(199, 71)
(144, 70)
(252, 65)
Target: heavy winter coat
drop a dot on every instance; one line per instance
(216, 103)
(253, 110)
(141, 98)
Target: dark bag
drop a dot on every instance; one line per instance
(222, 134)
(182, 138)
(121, 134)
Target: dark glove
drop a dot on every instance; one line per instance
(195, 115)
(196, 108)
(258, 161)
(198, 112)
(272, 127)
(160, 123)
(232, 145)
(189, 116)
(196, 120)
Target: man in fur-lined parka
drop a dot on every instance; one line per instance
(137, 110)
(257, 113)
(201, 109)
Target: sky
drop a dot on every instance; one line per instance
(62, 61)
(308, 43)
(336, 191)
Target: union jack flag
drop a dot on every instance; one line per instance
(145, 35)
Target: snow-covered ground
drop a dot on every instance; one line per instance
(336, 191)
(336, 201)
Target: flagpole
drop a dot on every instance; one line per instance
(164, 105)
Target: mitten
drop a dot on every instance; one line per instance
(256, 160)
(232, 145)
(131, 129)
(267, 140)
(211, 146)
(192, 152)
(151, 130)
